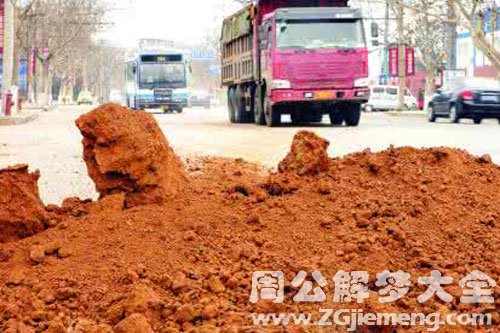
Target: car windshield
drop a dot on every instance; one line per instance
(320, 34)
(162, 75)
(481, 83)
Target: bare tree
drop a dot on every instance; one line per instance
(63, 33)
(427, 32)
(471, 14)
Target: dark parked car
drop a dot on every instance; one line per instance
(472, 98)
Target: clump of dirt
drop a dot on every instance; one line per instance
(22, 213)
(126, 151)
(187, 265)
(308, 155)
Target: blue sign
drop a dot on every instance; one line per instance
(383, 80)
(202, 55)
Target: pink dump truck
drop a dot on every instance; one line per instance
(305, 58)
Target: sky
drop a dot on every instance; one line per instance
(179, 20)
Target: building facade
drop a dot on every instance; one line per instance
(472, 59)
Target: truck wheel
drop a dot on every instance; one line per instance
(352, 114)
(241, 114)
(230, 105)
(260, 118)
(272, 114)
(336, 117)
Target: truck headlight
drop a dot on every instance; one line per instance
(362, 82)
(281, 84)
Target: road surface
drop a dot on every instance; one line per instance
(52, 143)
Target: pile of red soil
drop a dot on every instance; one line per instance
(127, 152)
(22, 213)
(308, 155)
(186, 265)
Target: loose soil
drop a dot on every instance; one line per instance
(172, 248)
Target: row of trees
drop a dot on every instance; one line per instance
(430, 26)
(61, 34)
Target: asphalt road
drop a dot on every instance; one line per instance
(52, 143)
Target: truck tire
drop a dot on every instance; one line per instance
(352, 114)
(259, 116)
(230, 105)
(336, 117)
(272, 114)
(240, 113)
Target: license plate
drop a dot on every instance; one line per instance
(325, 95)
(489, 98)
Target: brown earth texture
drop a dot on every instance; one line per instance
(172, 248)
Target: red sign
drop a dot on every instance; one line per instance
(2, 10)
(410, 61)
(394, 61)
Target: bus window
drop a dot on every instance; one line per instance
(130, 72)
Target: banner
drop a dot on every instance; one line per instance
(2, 11)
(394, 61)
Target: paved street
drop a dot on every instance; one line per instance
(52, 143)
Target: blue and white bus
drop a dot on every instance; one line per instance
(157, 81)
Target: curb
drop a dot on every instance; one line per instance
(18, 120)
(418, 114)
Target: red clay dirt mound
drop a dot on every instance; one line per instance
(187, 265)
(126, 151)
(308, 155)
(22, 213)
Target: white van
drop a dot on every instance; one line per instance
(385, 98)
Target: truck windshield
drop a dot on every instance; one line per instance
(320, 34)
(162, 76)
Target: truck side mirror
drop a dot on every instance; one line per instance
(375, 30)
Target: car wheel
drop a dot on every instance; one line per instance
(478, 120)
(454, 115)
(431, 116)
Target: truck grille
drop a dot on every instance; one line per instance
(323, 75)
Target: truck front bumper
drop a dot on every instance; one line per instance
(357, 95)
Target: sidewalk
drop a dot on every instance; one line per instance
(28, 113)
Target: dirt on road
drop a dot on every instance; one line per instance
(169, 248)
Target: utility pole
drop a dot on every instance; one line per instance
(402, 56)
(8, 53)
(385, 70)
(451, 38)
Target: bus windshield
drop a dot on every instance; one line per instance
(320, 34)
(162, 76)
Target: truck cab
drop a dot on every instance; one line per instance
(312, 58)
(303, 58)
